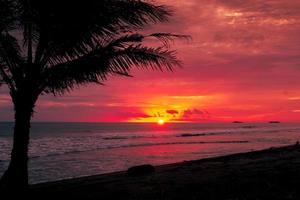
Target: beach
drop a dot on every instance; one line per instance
(273, 173)
(150, 100)
(61, 151)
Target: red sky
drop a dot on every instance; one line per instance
(242, 64)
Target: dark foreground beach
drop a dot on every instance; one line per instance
(269, 174)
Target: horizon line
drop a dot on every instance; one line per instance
(168, 122)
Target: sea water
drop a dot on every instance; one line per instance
(66, 150)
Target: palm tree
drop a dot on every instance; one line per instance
(54, 46)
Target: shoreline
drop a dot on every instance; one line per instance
(270, 173)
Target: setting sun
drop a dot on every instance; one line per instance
(160, 122)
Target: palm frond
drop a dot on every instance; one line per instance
(123, 42)
(10, 58)
(167, 38)
(144, 57)
(5, 78)
(70, 27)
(98, 65)
(7, 15)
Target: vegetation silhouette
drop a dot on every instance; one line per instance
(54, 46)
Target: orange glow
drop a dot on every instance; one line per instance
(177, 108)
(161, 122)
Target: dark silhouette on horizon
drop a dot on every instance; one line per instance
(54, 46)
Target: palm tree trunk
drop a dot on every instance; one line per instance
(16, 176)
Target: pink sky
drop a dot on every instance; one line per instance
(242, 64)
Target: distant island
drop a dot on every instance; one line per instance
(274, 122)
(237, 122)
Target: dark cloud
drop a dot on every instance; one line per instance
(172, 112)
(194, 112)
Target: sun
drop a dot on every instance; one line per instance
(160, 122)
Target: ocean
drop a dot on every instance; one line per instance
(67, 150)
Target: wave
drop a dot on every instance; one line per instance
(139, 145)
(203, 134)
(134, 145)
(129, 137)
(191, 135)
(116, 146)
(40, 147)
(136, 137)
(248, 127)
(116, 138)
(119, 137)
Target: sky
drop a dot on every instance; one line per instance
(243, 64)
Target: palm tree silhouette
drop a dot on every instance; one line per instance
(54, 46)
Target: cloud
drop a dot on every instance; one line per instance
(241, 36)
(172, 112)
(190, 113)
